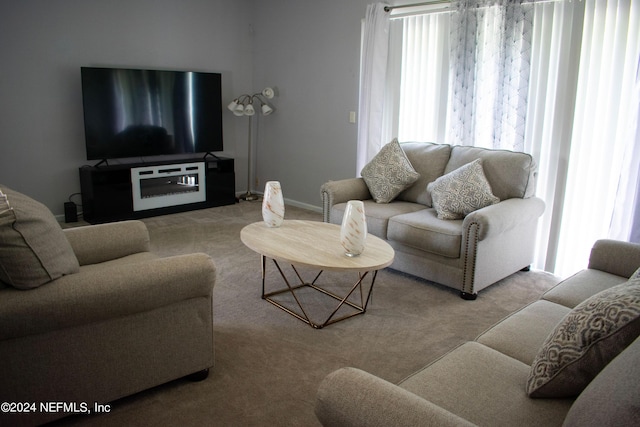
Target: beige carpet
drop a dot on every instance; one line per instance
(268, 364)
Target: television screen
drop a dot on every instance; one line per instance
(138, 113)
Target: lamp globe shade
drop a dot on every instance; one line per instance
(249, 110)
(268, 93)
(232, 105)
(266, 110)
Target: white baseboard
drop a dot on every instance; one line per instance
(291, 202)
(303, 205)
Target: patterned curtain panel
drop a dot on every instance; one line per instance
(489, 77)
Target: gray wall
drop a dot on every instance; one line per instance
(308, 50)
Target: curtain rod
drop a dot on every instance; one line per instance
(426, 3)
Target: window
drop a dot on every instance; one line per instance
(558, 79)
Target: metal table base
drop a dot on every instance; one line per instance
(342, 300)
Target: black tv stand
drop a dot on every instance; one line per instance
(137, 190)
(210, 154)
(105, 161)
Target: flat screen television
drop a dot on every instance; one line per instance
(139, 113)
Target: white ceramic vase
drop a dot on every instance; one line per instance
(354, 228)
(273, 204)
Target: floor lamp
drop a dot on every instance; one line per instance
(243, 106)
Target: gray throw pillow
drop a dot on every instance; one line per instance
(585, 341)
(33, 247)
(389, 173)
(462, 191)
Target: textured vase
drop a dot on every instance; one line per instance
(354, 228)
(273, 204)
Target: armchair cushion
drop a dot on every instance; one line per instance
(461, 191)
(33, 247)
(389, 173)
(588, 338)
(101, 292)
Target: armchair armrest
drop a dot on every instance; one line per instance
(99, 293)
(615, 257)
(103, 242)
(352, 397)
(505, 215)
(334, 192)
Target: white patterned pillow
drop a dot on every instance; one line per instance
(389, 173)
(462, 191)
(585, 341)
(636, 274)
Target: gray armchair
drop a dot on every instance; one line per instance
(119, 322)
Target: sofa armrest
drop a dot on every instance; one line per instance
(334, 192)
(505, 215)
(99, 293)
(352, 397)
(615, 257)
(103, 242)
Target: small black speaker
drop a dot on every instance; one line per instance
(70, 212)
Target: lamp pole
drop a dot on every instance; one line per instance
(249, 196)
(243, 106)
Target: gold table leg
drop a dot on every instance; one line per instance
(342, 300)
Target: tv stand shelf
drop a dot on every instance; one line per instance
(132, 191)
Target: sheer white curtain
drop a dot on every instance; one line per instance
(602, 146)
(373, 82)
(557, 79)
(424, 78)
(555, 57)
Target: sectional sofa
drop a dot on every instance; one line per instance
(571, 358)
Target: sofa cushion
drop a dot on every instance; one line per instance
(423, 230)
(484, 387)
(461, 191)
(582, 285)
(429, 160)
(388, 173)
(378, 215)
(611, 399)
(538, 319)
(33, 247)
(511, 174)
(588, 338)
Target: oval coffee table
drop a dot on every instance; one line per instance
(316, 245)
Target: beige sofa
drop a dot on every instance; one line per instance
(484, 382)
(119, 321)
(465, 254)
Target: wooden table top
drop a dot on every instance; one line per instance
(314, 244)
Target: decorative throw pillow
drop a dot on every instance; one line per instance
(585, 341)
(636, 274)
(33, 247)
(462, 191)
(389, 173)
